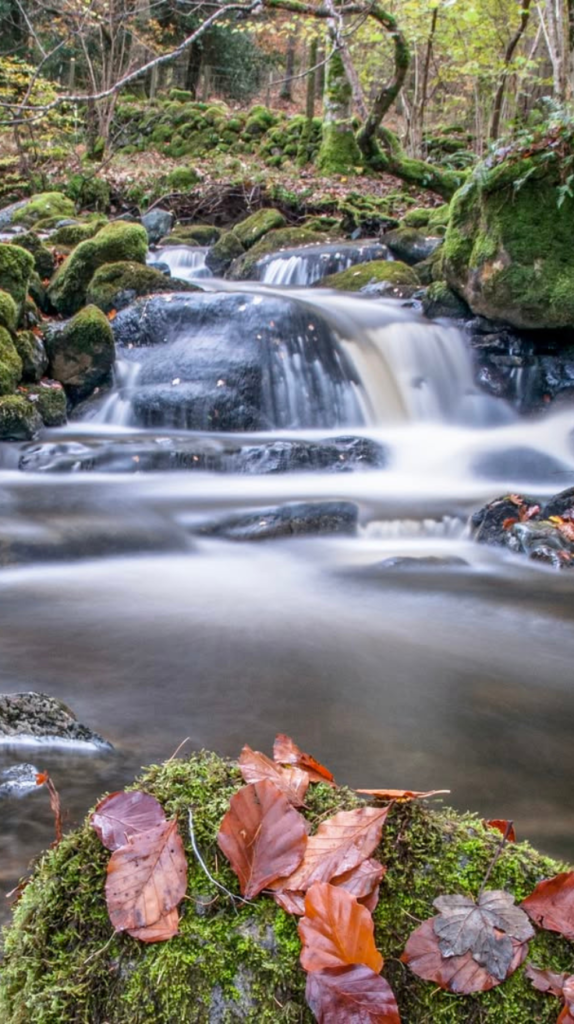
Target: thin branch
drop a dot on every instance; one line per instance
(203, 865)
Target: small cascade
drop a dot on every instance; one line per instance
(184, 261)
(309, 264)
(117, 406)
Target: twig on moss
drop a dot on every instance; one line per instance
(203, 865)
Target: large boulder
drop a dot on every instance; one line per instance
(237, 962)
(44, 262)
(45, 206)
(115, 285)
(255, 227)
(509, 247)
(157, 224)
(16, 266)
(81, 353)
(10, 363)
(117, 242)
(19, 420)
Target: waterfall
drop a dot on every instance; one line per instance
(184, 261)
(309, 264)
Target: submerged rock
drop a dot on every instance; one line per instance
(297, 519)
(18, 780)
(524, 464)
(38, 717)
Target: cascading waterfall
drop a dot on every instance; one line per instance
(309, 264)
(185, 262)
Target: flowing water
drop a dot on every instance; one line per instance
(404, 656)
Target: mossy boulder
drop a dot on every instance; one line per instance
(221, 255)
(81, 353)
(10, 363)
(440, 301)
(411, 245)
(274, 241)
(253, 228)
(16, 265)
(43, 207)
(49, 400)
(390, 273)
(115, 285)
(238, 962)
(430, 270)
(44, 262)
(259, 120)
(71, 235)
(182, 179)
(115, 243)
(194, 234)
(31, 350)
(19, 420)
(509, 248)
(8, 311)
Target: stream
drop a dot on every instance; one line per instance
(403, 655)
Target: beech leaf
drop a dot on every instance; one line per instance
(362, 882)
(164, 929)
(339, 845)
(501, 825)
(286, 751)
(147, 877)
(400, 794)
(546, 981)
(293, 782)
(460, 974)
(262, 836)
(336, 931)
(351, 995)
(121, 815)
(465, 926)
(551, 905)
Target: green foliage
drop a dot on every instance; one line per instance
(89, 192)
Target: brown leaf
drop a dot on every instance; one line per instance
(285, 751)
(336, 931)
(551, 905)
(501, 826)
(339, 845)
(121, 815)
(45, 779)
(291, 902)
(509, 522)
(362, 880)
(146, 878)
(460, 974)
(164, 929)
(262, 836)
(546, 981)
(351, 995)
(293, 782)
(400, 794)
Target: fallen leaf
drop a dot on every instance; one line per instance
(293, 782)
(285, 751)
(262, 836)
(546, 981)
(551, 905)
(362, 880)
(464, 926)
(351, 995)
(336, 931)
(147, 877)
(501, 826)
(339, 845)
(45, 779)
(112, 314)
(509, 522)
(291, 902)
(161, 931)
(400, 794)
(121, 815)
(460, 974)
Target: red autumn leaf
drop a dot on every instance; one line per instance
(551, 905)
(336, 931)
(528, 512)
(112, 314)
(285, 751)
(460, 974)
(502, 826)
(164, 929)
(121, 815)
(509, 522)
(146, 878)
(400, 794)
(293, 782)
(351, 995)
(262, 836)
(339, 845)
(362, 882)
(546, 981)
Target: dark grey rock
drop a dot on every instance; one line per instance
(559, 504)
(298, 519)
(18, 780)
(411, 246)
(426, 562)
(157, 224)
(38, 717)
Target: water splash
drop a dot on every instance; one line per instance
(308, 264)
(184, 261)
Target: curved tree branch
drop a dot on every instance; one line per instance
(497, 110)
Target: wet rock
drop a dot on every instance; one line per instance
(115, 285)
(81, 353)
(33, 354)
(296, 520)
(411, 246)
(7, 214)
(487, 524)
(18, 780)
(311, 264)
(30, 717)
(339, 454)
(19, 420)
(560, 504)
(389, 276)
(115, 243)
(221, 255)
(440, 301)
(49, 399)
(522, 464)
(410, 563)
(157, 224)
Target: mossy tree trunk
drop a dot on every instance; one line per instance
(339, 152)
(304, 149)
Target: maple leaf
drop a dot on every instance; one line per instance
(293, 782)
(551, 905)
(400, 794)
(262, 836)
(349, 995)
(560, 985)
(464, 926)
(121, 815)
(339, 845)
(286, 752)
(336, 931)
(147, 877)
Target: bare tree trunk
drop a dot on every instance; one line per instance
(498, 99)
(304, 148)
(553, 21)
(425, 76)
(285, 93)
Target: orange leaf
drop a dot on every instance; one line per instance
(112, 314)
(551, 905)
(285, 751)
(121, 815)
(508, 523)
(262, 836)
(146, 878)
(336, 931)
(165, 928)
(400, 794)
(501, 826)
(293, 782)
(351, 995)
(45, 779)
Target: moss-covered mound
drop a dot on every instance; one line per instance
(71, 235)
(509, 247)
(43, 207)
(195, 234)
(274, 241)
(8, 311)
(16, 265)
(10, 363)
(31, 350)
(115, 243)
(240, 962)
(19, 421)
(255, 227)
(391, 272)
(441, 301)
(115, 285)
(81, 353)
(44, 263)
(49, 400)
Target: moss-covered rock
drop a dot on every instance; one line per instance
(87, 190)
(259, 120)
(16, 265)
(10, 363)
(237, 962)
(44, 262)
(440, 301)
(221, 255)
(438, 218)
(49, 400)
(42, 207)
(390, 272)
(81, 353)
(430, 270)
(34, 358)
(115, 243)
(509, 250)
(253, 228)
(274, 241)
(71, 235)
(8, 311)
(19, 420)
(115, 285)
(194, 234)
(411, 245)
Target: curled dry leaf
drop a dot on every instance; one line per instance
(336, 931)
(351, 995)
(551, 905)
(460, 974)
(121, 815)
(503, 826)
(362, 882)
(293, 782)
(147, 877)
(262, 836)
(400, 794)
(45, 779)
(285, 751)
(340, 844)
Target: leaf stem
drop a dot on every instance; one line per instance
(496, 857)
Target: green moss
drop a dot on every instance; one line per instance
(259, 120)
(8, 311)
(221, 255)
(19, 421)
(115, 285)
(253, 228)
(416, 218)
(81, 353)
(195, 234)
(439, 217)
(10, 363)
(117, 242)
(240, 963)
(72, 234)
(33, 355)
(45, 205)
(441, 301)
(394, 273)
(43, 259)
(16, 265)
(339, 152)
(49, 400)
(89, 191)
(182, 179)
